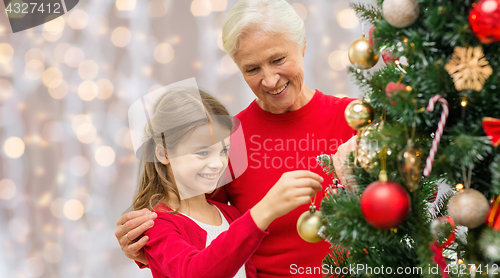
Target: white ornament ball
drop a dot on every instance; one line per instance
(469, 208)
(401, 13)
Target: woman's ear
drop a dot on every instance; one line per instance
(161, 155)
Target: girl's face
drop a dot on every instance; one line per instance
(200, 163)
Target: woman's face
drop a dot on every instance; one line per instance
(273, 68)
(201, 163)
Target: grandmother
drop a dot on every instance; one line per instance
(286, 128)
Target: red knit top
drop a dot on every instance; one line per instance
(176, 246)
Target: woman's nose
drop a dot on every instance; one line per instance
(270, 79)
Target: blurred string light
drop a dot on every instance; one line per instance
(228, 66)
(86, 133)
(60, 52)
(73, 57)
(88, 69)
(123, 138)
(52, 30)
(34, 267)
(79, 166)
(88, 90)
(34, 54)
(220, 43)
(13, 147)
(52, 77)
(78, 19)
(44, 199)
(105, 89)
(105, 156)
(56, 207)
(73, 209)
(121, 37)
(7, 189)
(164, 53)
(5, 69)
(59, 91)
(52, 252)
(347, 19)
(301, 10)
(338, 60)
(218, 5)
(34, 69)
(84, 129)
(201, 7)
(5, 89)
(125, 5)
(197, 64)
(157, 8)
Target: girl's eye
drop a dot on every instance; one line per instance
(224, 152)
(203, 153)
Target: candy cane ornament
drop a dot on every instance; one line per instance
(439, 131)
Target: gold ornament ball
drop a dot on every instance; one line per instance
(359, 114)
(361, 54)
(469, 208)
(410, 165)
(368, 150)
(309, 224)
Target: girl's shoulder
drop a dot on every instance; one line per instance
(229, 211)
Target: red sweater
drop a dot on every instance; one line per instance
(176, 246)
(278, 143)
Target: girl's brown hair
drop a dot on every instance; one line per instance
(156, 180)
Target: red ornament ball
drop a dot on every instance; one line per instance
(387, 55)
(385, 205)
(484, 20)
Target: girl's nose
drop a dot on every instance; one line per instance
(216, 162)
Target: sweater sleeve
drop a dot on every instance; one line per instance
(170, 252)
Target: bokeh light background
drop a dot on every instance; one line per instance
(67, 169)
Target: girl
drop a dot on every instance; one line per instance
(184, 158)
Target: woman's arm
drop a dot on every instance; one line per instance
(170, 252)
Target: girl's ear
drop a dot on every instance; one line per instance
(161, 155)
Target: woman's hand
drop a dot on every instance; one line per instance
(293, 189)
(131, 226)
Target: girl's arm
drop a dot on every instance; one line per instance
(170, 251)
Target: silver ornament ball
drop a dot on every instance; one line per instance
(469, 208)
(401, 13)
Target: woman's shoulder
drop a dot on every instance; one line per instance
(228, 210)
(333, 100)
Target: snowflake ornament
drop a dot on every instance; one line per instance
(469, 68)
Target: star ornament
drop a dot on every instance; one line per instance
(469, 68)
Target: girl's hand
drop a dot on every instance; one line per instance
(293, 189)
(131, 226)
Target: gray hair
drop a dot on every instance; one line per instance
(275, 17)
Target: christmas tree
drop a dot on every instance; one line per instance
(429, 116)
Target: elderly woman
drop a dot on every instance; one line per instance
(286, 128)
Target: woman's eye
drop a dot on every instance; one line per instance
(279, 60)
(203, 153)
(251, 70)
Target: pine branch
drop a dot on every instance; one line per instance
(367, 12)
